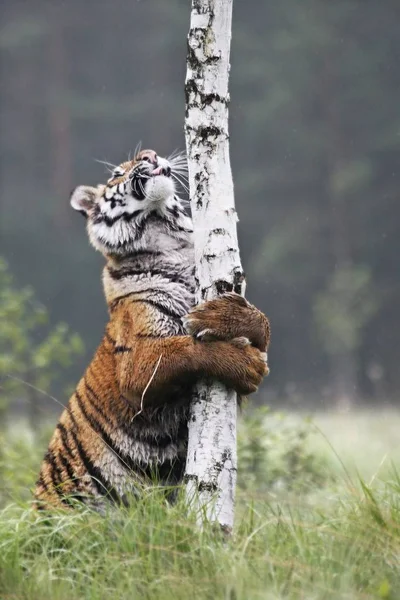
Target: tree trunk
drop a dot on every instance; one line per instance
(59, 115)
(344, 364)
(211, 461)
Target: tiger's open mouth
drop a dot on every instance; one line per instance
(140, 177)
(166, 171)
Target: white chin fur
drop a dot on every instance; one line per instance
(159, 189)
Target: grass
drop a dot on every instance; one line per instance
(337, 538)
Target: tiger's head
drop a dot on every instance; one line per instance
(139, 191)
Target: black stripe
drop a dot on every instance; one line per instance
(97, 403)
(117, 274)
(152, 336)
(140, 227)
(95, 425)
(102, 486)
(162, 309)
(56, 473)
(144, 253)
(41, 504)
(42, 482)
(115, 302)
(149, 290)
(64, 438)
(136, 234)
(94, 377)
(157, 303)
(99, 400)
(129, 272)
(94, 471)
(179, 228)
(122, 349)
(129, 216)
(67, 466)
(110, 221)
(117, 246)
(174, 211)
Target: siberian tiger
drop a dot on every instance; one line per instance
(127, 419)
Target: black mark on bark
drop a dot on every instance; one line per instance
(209, 131)
(223, 287)
(238, 280)
(207, 486)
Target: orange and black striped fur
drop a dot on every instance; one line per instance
(127, 419)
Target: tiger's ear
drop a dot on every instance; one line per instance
(83, 198)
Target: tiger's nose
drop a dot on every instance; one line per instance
(151, 156)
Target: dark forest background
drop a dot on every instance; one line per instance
(315, 147)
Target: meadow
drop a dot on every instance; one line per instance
(318, 517)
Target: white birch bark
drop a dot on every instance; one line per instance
(211, 462)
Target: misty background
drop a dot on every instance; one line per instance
(315, 150)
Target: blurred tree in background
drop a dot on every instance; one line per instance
(319, 127)
(32, 353)
(315, 143)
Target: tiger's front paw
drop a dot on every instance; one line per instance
(227, 317)
(247, 366)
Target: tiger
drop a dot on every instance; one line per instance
(126, 424)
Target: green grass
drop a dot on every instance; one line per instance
(338, 536)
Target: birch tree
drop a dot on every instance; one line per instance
(211, 461)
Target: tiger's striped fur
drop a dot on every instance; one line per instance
(127, 419)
